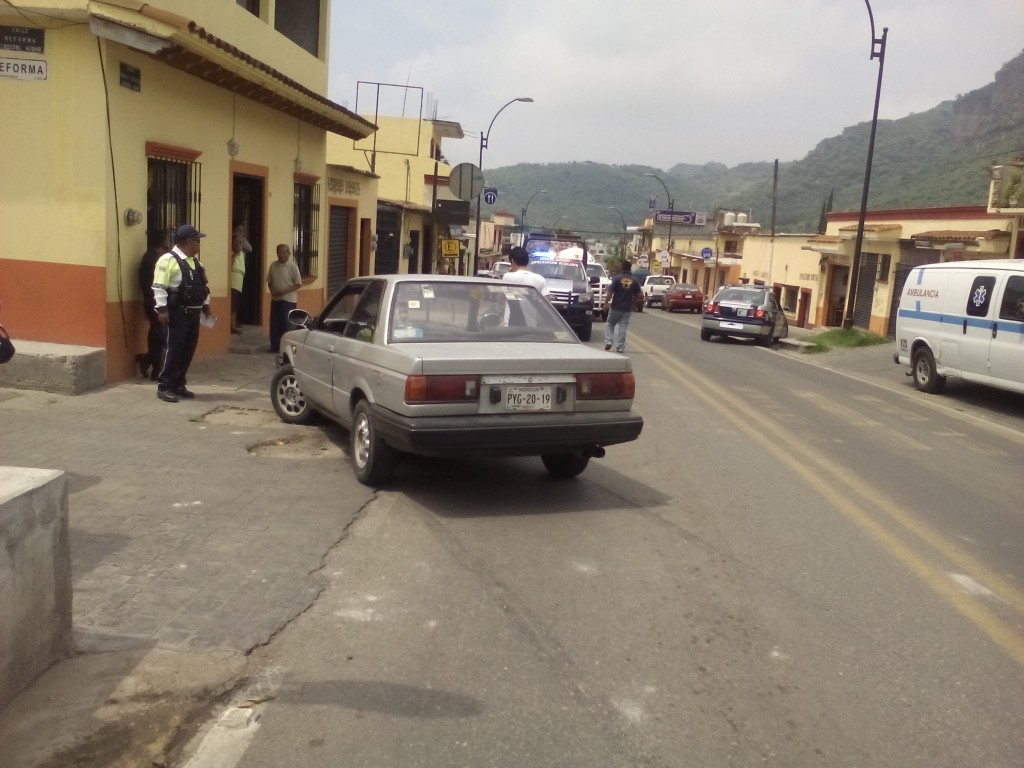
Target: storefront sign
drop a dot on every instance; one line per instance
(697, 218)
(342, 186)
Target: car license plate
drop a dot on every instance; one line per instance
(524, 398)
(731, 326)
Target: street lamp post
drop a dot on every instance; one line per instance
(522, 220)
(622, 242)
(483, 145)
(877, 52)
(671, 212)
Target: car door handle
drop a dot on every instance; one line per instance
(965, 325)
(995, 329)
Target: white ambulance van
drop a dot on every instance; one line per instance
(963, 319)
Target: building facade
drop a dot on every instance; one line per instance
(405, 158)
(139, 117)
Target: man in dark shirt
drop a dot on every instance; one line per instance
(150, 359)
(620, 301)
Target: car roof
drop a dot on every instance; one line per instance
(420, 278)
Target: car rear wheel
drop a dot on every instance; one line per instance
(926, 378)
(565, 464)
(290, 404)
(372, 458)
(705, 334)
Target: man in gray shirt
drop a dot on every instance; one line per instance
(284, 281)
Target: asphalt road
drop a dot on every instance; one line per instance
(794, 566)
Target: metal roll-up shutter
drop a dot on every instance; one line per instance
(865, 290)
(337, 249)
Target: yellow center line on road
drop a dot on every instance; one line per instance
(825, 476)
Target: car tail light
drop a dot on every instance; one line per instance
(758, 313)
(711, 308)
(442, 389)
(605, 386)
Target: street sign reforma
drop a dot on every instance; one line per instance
(466, 181)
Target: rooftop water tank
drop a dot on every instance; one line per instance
(741, 218)
(729, 219)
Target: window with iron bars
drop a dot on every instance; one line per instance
(306, 226)
(172, 197)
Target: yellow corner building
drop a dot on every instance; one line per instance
(125, 119)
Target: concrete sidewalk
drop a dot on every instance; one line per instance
(197, 532)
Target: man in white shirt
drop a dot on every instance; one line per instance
(520, 272)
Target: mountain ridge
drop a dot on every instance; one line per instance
(926, 159)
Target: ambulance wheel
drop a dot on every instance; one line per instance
(926, 378)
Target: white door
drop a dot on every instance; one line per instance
(1007, 349)
(976, 326)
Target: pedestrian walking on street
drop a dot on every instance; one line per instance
(620, 300)
(519, 270)
(180, 295)
(284, 281)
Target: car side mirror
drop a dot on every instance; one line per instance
(595, 280)
(300, 318)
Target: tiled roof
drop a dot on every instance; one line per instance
(871, 227)
(958, 235)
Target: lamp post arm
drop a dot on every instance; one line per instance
(483, 145)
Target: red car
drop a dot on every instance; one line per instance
(683, 296)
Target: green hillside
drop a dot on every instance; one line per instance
(933, 158)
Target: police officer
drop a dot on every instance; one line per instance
(180, 294)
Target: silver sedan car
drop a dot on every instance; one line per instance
(440, 365)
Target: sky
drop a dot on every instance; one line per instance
(660, 82)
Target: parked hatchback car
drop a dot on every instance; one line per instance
(682, 296)
(452, 366)
(746, 311)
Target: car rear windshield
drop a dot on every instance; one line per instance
(425, 311)
(559, 270)
(741, 296)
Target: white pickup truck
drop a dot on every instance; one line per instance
(654, 288)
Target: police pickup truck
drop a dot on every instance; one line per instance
(561, 259)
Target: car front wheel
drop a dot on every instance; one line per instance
(372, 458)
(290, 404)
(565, 465)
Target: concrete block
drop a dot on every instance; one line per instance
(63, 368)
(35, 576)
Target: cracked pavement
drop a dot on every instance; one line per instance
(198, 530)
